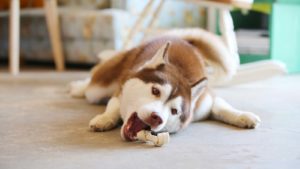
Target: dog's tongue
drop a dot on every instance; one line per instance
(133, 126)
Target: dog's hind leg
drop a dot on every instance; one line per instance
(78, 88)
(224, 112)
(109, 119)
(105, 79)
(95, 93)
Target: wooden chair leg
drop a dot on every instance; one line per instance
(154, 16)
(156, 12)
(14, 37)
(54, 33)
(211, 19)
(138, 24)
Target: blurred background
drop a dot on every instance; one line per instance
(55, 42)
(267, 30)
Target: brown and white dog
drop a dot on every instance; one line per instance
(161, 85)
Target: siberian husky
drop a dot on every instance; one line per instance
(162, 85)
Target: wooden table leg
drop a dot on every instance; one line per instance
(14, 37)
(54, 33)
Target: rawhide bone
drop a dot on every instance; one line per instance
(159, 140)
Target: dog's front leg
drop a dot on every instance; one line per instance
(109, 119)
(224, 112)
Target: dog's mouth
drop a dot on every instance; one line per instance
(133, 126)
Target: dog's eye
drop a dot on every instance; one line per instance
(174, 111)
(155, 91)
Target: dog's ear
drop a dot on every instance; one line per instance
(197, 88)
(160, 57)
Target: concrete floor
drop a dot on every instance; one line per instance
(41, 127)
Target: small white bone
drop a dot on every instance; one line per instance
(159, 140)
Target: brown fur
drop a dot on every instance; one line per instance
(212, 49)
(181, 54)
(176, 60)
(184, 66)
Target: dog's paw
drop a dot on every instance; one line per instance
(102, 122)
(248, 120)
(77, 88)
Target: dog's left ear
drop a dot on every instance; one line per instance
(160, 57)
(197, 88)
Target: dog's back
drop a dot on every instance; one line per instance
(182, 54)
(190, 49)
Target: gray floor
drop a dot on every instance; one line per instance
(42, 127)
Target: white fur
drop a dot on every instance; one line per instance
(137, 97)
(196, 92)
(109, 118)
(158, 108)
(94, 93)
(77, 88)
(173, 124)
(222, 111)
(225, 67)
(204, 110)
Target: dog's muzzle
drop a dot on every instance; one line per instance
(133, 126)
(153, 120)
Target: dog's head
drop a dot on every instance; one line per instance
(157, 98)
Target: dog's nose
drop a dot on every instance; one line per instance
(154, 120)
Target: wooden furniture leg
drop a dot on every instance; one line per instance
(154, 16)
(211, 19)
(54, 33)
(156, 13)
(14, 37)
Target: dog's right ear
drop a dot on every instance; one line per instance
(160, 57)
(197, 88)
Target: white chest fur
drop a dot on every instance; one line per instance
(204, 108)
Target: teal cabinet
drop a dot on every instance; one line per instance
(288, 1)
(284, 30)
(253, 20)
(285, 41)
